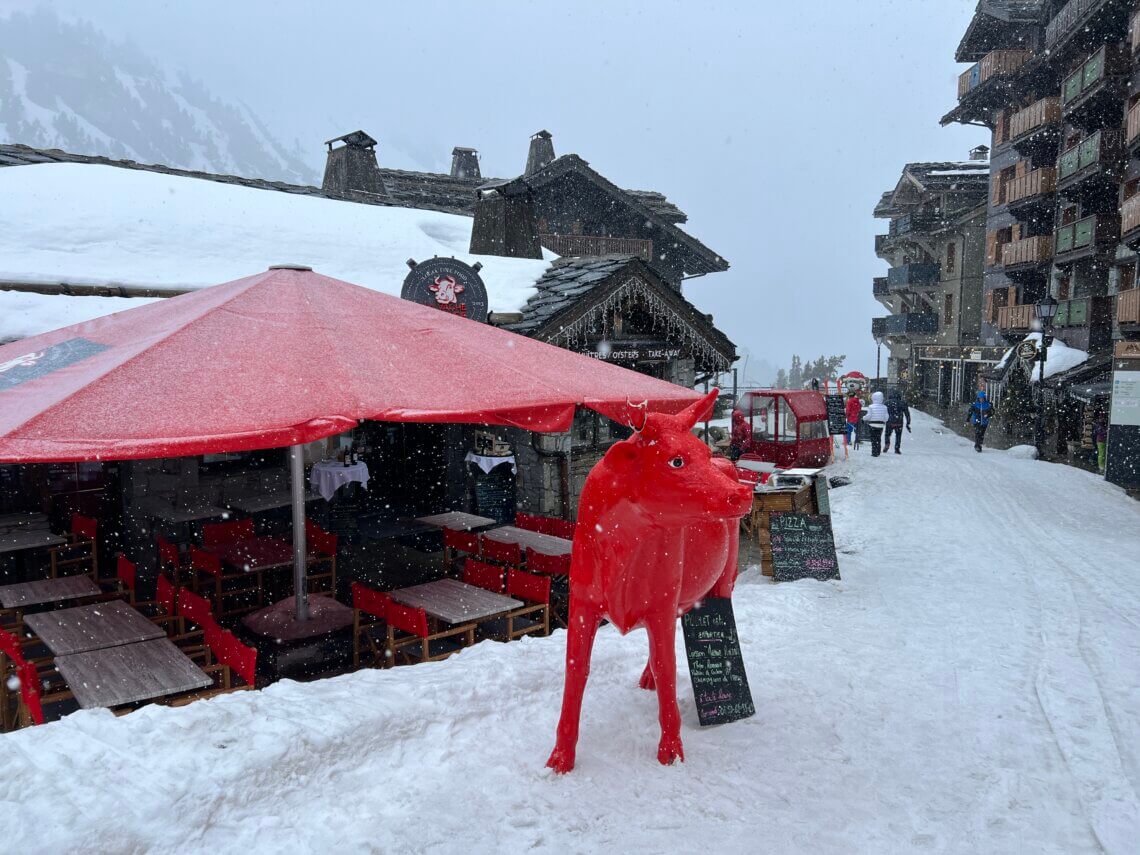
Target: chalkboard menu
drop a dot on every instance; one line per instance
(716, 667)
(802, 547)
(836, 414)
(822, 498)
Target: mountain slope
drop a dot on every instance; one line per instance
(65, 85)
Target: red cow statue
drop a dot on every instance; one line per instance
(657, 531)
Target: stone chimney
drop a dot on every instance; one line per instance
(464, 163)
(505, 222)
(981, 152)
(351, 167)
(541, 152)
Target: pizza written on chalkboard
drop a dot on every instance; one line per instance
(836, 414)
(802, 547)
(716, 666)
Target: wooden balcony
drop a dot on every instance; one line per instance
(1093, 93)
(1130, 221)
(1085, 237)
(1128, 307)
(575, 246)
(1134, 34)
(909, 224)
(915, 275)
(906, 324)
(1082, 311)
(1132, 127)
(1036, 130)
(1091, 169)
(1015, 319)
(879, 287)
(1035, 185)
(1074, 19)
(996, 63)
(1030, 252)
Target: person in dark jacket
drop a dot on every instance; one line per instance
(897, 411)
(980, 413)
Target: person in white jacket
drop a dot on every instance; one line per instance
(876, 419)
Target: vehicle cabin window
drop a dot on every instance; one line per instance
(788, 424)
(762, 418)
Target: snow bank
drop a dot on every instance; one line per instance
(970, 686)
(23, 314)
(88, 224)
(1023, 452)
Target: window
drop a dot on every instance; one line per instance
(1063, 288)
(788, 424)
(951, 256)
(1126, 280)
(813, 430)
(948, 310)
(762, 418)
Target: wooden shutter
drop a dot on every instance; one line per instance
(991, 311)
(991, 249)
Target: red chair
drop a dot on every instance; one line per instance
(367, 603)
(535, 616)
(547, 565)
(417, 643)
(30, 674)
(223, 534)
(232, 657)
(170, 559)
(322, 548)
(208, 563)
(483, 575)
(82, 547)
(455, 542)
(126, 576)
(528, 521)
(194, 608)
(509, 554)
(560, 528)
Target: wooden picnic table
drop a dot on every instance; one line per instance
(93, 627)
(547, 544)
(24, 594)
(17, 541)
(113, 676)
(454, 602)
(457, 521)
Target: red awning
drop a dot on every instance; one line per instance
(285, 357)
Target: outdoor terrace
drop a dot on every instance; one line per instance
(1035, 130)
(1093, 93)
(1092, 168)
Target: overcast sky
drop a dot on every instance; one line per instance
(774, 126)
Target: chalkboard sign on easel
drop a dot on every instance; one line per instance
(836, 415)
(802, 547)
(716, 665)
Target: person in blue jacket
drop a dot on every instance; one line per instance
(980, 413)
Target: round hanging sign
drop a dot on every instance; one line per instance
(1027, 350)
(449, 285)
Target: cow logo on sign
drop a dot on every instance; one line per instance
(449, 285)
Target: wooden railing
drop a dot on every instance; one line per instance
(1134, 33)
(1030, 250)
(1133, 126)
(1035, 183)
(1130, 214)
(1103, 146)
(1065, 21)
(574, 246)
(1085, 232)
(1015, 317)
(994, 63)
(1110, 60)
(1128, 307)
(1047, 111)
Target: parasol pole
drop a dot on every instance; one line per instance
(300, 574)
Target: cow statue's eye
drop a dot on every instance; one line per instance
(677, 462)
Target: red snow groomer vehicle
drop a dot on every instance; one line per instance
(786, 427)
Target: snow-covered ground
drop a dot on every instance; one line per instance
(87, 224)
(972, 685)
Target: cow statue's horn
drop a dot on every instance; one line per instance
(642, 408)
(698, 410)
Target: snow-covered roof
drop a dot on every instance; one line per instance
(87, 224)
(1060, 358)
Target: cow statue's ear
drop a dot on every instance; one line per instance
(624, 454)
(699, 410)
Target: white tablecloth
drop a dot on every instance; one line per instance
(328, 476)
(488, 463)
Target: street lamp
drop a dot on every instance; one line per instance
(878, 358)
(1046, 310)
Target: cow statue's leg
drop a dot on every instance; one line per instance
(647, 682)
(583, 625)
(727, 581)
(662, 628)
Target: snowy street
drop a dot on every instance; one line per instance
(971, 685)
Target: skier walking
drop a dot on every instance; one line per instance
(897, 410)
(979, 416)
(876, 419)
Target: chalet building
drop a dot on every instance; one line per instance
(933, 289)
(614, 292)
(1057, 83)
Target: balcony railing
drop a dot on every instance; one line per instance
(1031, 250)
(1106, 61)
(1130, 215)
(1015, 317)
(1065, 22)
(1133, 125)
(1073, 313)
(880, 243)
(910, 323)
(1039, 182)
(993, 64)
(912, 224)
(915, 275)
(878, 327)
(1040, 114)
(1085, 233)
(1105, 147)
(1128, 307)
(573, 246)
(1134, 33)
(879, 286)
